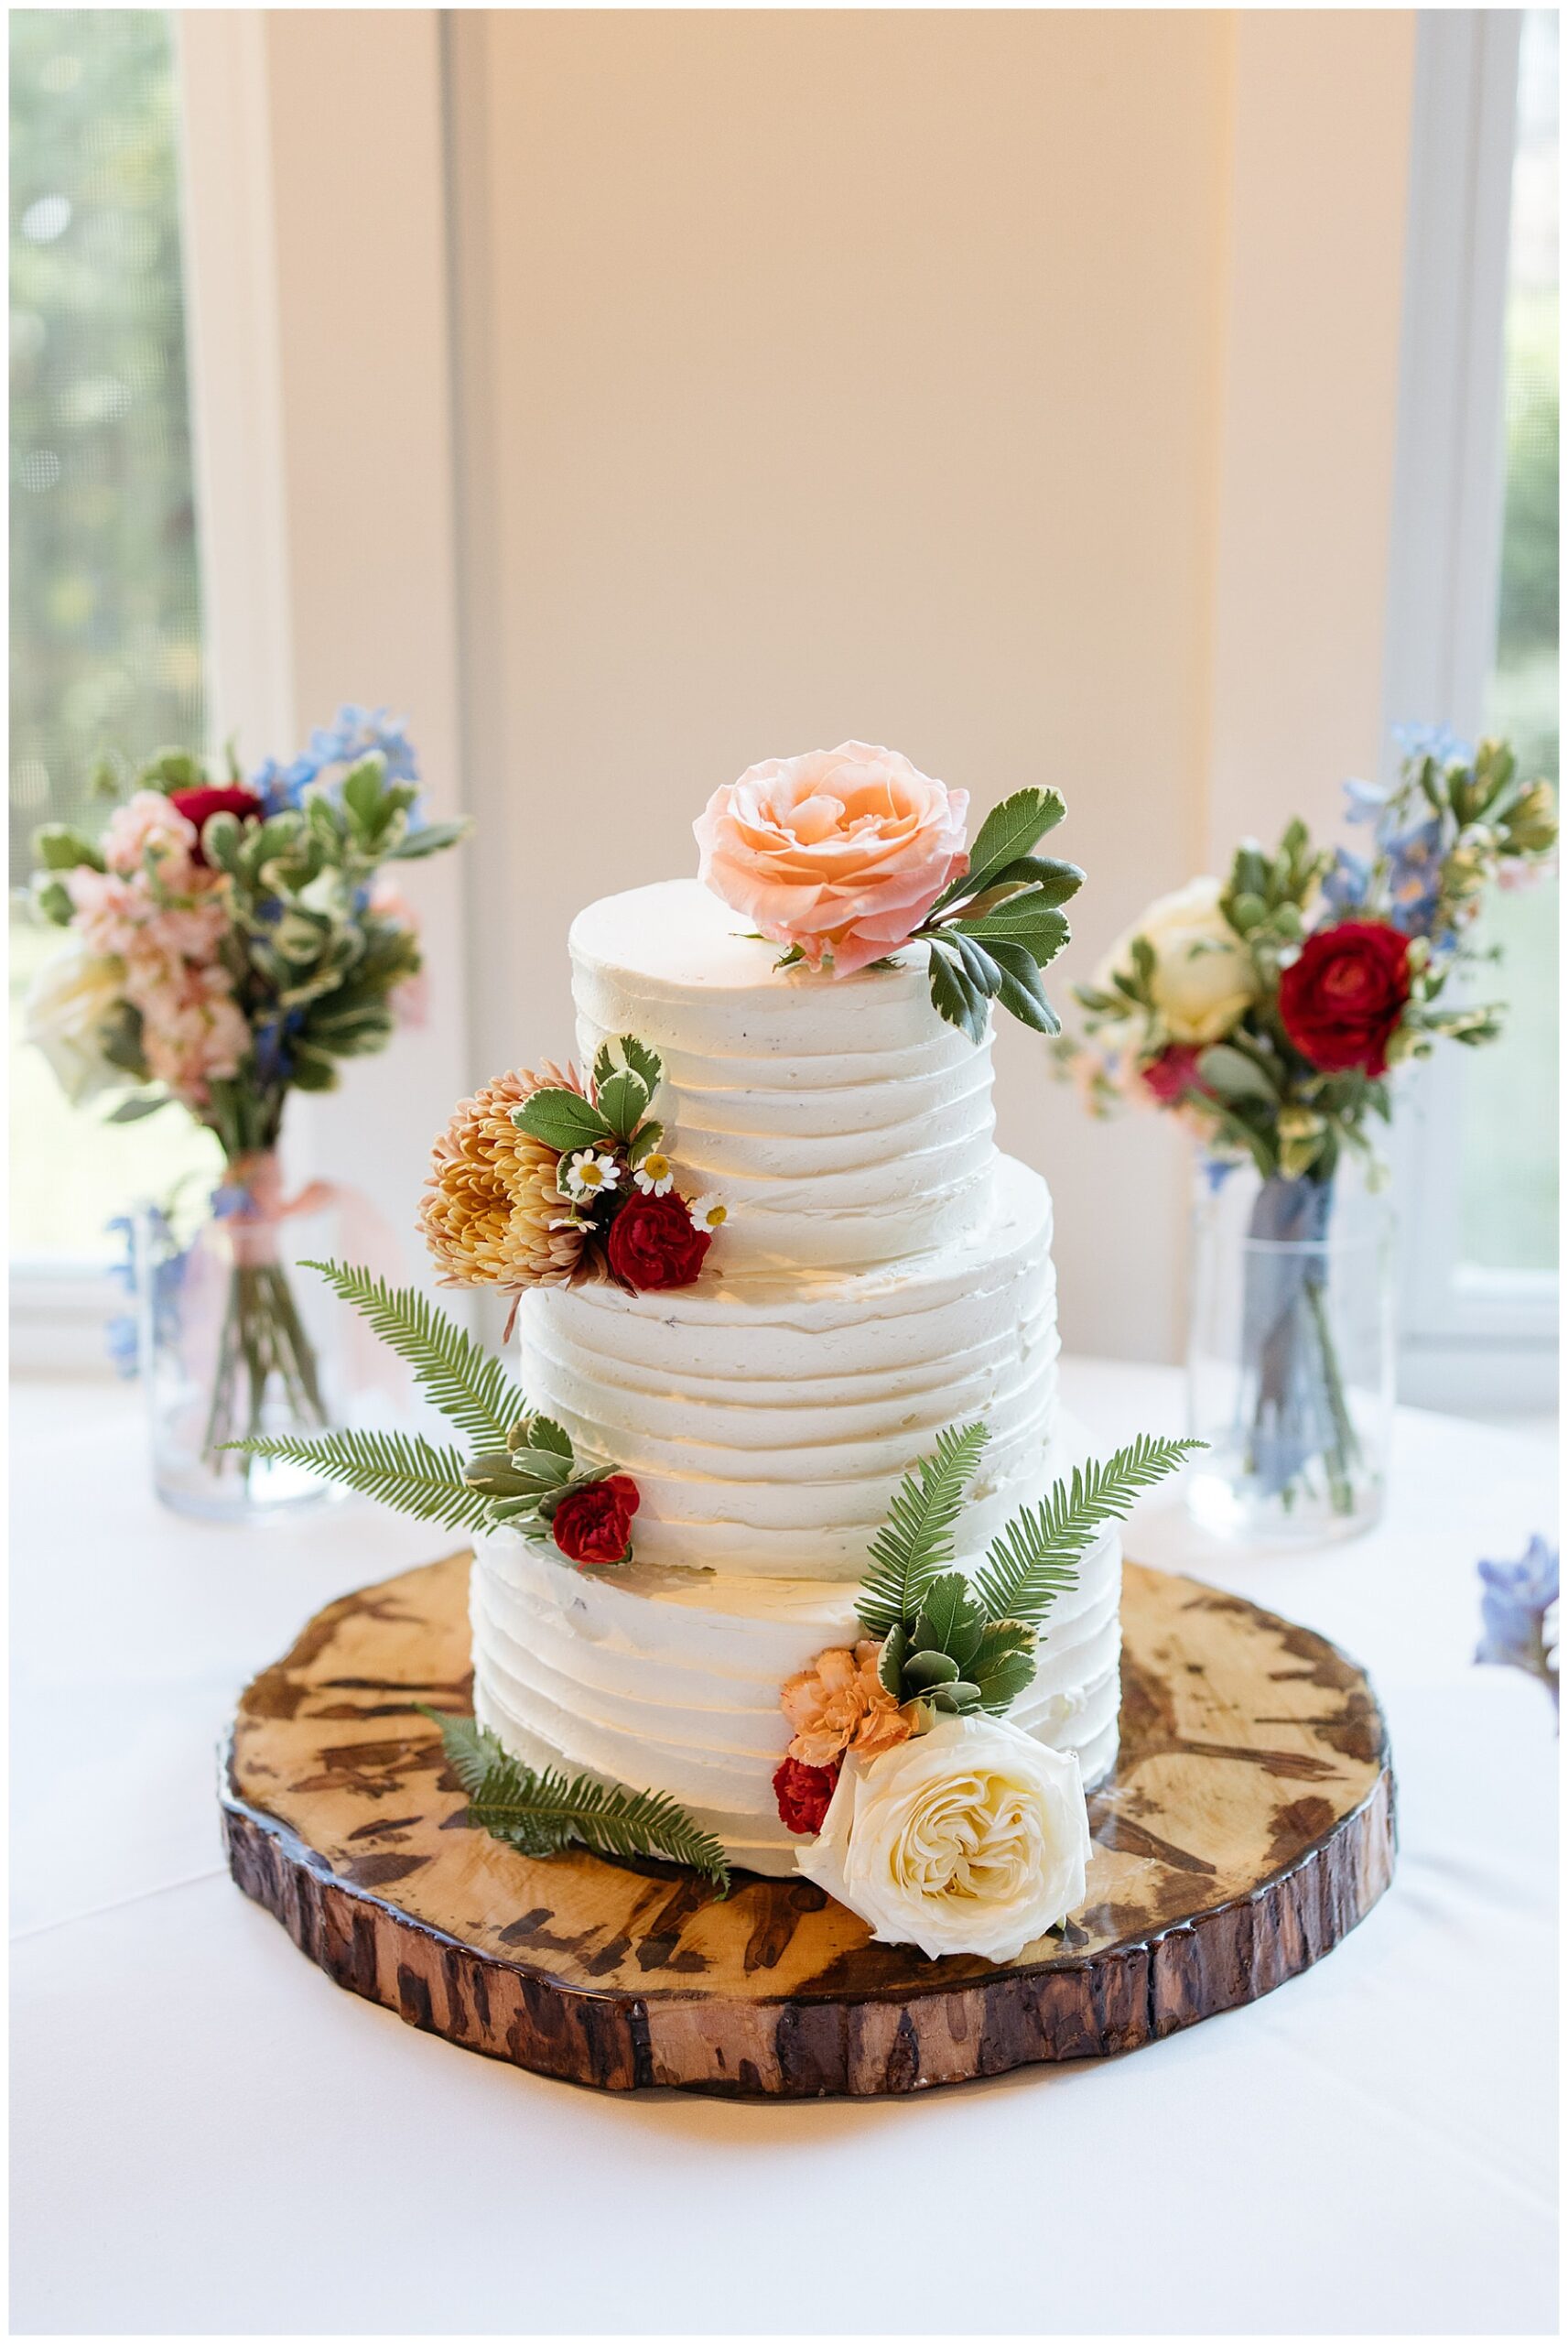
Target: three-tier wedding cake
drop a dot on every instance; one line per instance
(784, 1558)
(883, 1273)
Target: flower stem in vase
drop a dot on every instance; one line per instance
(1299, 1413)
(265, 1367)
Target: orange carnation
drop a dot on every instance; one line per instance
(838, 1703)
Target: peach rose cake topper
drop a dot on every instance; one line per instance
(842, 857)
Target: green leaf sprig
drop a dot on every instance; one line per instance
(613, 1120)
(526, 1464)
(992, 931)
(952, 1646)
(540, 1814)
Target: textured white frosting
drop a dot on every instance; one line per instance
(669, 1679)
(841, 1119)
(768, 1419)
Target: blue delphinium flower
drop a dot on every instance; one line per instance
(1439, 741)
(357, 732)
(1411, 853)
(354, 732)
(1364, 801)
(1518, 1613)
(1346, 883)
(275, 1059)
(1415, 872)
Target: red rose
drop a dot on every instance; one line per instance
(802, 1794)
(199, 806)
(1340, 1002)
(1173, 1073)
(594, 1525)
(652, 1243)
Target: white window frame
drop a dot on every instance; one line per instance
(1472, 1340)
(329, 554)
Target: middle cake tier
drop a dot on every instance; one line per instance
(768, 1419)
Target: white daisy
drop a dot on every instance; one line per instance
(654, 1175)
(589, 1174)
(709, 1212)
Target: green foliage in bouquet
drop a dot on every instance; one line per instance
(1271, 1009)
(300, 952)
(953, 1646)
(542, 1813)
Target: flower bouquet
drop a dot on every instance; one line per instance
(232, 941)
(1269, 1012)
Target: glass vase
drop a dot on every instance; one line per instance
(231, 1344)
(1291, 1356)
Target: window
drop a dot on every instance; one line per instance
(1508, 1194)
(106, 644)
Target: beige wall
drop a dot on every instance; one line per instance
(1015, 388)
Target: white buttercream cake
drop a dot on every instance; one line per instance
(884, 1272)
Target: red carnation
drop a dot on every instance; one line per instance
(1342, 999)
(652, 1243)
(594, 1525)
(802, 1794)
(1172, 1074)
(199, 806)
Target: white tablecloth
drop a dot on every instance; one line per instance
(209, 2137)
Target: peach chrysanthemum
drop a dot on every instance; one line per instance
(490, 1200)
(840, 1704)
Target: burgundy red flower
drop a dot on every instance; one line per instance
(1172, 1074)
(653, 1243)
(804, 1794)
(199, 806)
(594, 1525)
(1342, 999)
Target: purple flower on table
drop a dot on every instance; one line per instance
(1518, 1613)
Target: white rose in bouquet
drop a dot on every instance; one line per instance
(971, 1839)
(67, 1006)
(1203, 978)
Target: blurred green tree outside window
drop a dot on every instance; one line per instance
(1509, 1160)
(106, 624)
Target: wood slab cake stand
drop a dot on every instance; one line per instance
(1249, 1824)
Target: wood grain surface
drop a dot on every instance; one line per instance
(1248, 1825)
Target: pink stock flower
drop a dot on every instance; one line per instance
(841, 852)
(147, 821)
(193, 1031)
(109, 909)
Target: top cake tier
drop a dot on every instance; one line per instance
(841, 1118)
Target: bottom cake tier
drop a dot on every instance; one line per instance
(668, 1679)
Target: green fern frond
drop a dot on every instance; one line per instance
(467, 1384)
(1037, 1555)
(540, 1814)
(466, 1745)
(402, 1470)
(916, 1540)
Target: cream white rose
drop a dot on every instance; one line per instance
(67, 1004)
(971, 1839)
(1204, 977)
